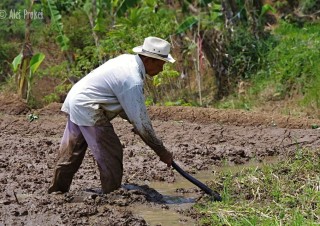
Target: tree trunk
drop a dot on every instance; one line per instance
(214, 50)
(230, 10)
(22, 80)
(253, 9)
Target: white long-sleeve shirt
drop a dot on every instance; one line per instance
(115, 86)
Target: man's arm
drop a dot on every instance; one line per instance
(133, 104)
(123, 115)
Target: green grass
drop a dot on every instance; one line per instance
(289, 70)
(283, 193)
(292, 67)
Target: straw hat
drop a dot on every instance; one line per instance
(156, 48)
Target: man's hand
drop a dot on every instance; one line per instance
(167, 158)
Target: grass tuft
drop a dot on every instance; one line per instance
(283, 193)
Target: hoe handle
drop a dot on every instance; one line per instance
(216, 196)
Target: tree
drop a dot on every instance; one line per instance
(26, 64)
(27, 53)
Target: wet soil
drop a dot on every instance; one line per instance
(200, 138)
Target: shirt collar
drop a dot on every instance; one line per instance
(141, 66)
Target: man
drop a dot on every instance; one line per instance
(114, 88)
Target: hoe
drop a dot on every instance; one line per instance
(214, 195)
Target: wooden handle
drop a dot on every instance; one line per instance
(216, 196)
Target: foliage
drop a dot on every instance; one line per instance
(56, 71)
(166, 76)
(163, 88)
(61, 38)
(86, 59)
(309, 6)
(10, 27)
(187, 24)
(283, 193)
(247, 53)
(126, 5)
(16, 62)
(31, 117)
(208, 16)
(234, 102)
(11, 34)
(292, 66)
(67, 6)
(80, 37)
(9, 85)
(6, 50)
(33, 66)
(131, 30)
(284, 66)
(59, 93)
(179, 102)
(51, 98)
(91, 32)
(35, 62)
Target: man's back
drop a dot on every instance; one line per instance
(103, 89)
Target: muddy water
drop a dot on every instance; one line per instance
(176, 201)
(164, 217)
(168, 213)
(251, 164)
(177, 197)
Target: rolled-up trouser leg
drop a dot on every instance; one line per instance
(107, 151)
(71, 153)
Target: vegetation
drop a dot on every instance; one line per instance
(219, 46)
(283, 193)
(291, 67)
(287, 70)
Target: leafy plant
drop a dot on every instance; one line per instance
(247, 53)
(31, 117)
(53, 97)
(61, 38)
(86, 60)
(139, 22)
(8, 50)
(33, 66)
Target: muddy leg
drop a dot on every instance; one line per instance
(71, 153)
(107, 151)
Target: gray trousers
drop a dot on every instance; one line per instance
(106, 149)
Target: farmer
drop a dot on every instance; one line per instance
(114, 88)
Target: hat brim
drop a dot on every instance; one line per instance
(138, 50)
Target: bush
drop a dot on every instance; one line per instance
(292, 67)
(247, 53)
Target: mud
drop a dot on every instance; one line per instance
(200, 138)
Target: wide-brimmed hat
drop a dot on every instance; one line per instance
(156, 48)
